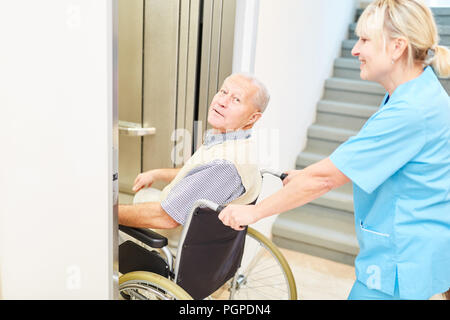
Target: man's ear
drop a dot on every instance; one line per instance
(255, 117)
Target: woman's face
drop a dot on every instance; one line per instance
(375, 61)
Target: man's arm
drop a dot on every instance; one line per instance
(146, 215)
(167, 174)
(302, 187)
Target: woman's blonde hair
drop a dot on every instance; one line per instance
(412, 20)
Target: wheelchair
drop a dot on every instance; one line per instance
(213, 261)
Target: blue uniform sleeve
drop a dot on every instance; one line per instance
(217, 181)
(388, 140)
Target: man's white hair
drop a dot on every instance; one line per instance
(261, 97)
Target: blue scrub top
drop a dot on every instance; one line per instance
(399, 164)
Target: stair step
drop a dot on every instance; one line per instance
(347, 46)
(340, 121)
(442, 16)
(354, 91)
(345, 108)
(330, 133)
(307, 158)
(323, 140)
(336, 199)
(340, 198)
(345, 115)
(355, 85)
(322, 231)
(348, 68)
(321, 146)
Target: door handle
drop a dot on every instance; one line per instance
(134, 129)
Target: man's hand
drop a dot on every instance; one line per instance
(238, 216)
(144, 180)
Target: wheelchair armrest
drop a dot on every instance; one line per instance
(149, 237)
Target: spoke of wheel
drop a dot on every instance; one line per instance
(270, 286)
(262, 293)
(253, 262)
(265, 276)
(267, 268)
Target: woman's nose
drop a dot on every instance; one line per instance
(355, 50)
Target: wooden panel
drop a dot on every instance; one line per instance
(217, 52)
(160, 81)
(131, 23)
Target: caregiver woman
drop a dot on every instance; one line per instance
(399, 163)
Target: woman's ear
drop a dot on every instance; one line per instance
(399, 47)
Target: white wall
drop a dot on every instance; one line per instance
(296, 44)
(438, 3)
(56, 142)
(246, 28)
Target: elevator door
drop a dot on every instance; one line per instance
(130, 49)
(173, 54)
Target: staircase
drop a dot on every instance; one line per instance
(325, 227)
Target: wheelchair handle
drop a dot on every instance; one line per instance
(208, 204)
(280, 175)
(219, 210)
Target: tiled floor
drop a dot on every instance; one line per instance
(320, 279)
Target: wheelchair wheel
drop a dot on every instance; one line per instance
(142, 285)
(264, 273)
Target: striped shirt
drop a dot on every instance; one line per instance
(217, 181)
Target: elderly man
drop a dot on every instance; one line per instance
(214, 172)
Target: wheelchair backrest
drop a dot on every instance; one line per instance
(209, 253)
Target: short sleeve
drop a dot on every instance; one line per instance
(217, 181)
(388, 140)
